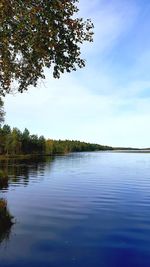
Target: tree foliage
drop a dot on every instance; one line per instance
(37, 34)
(2, 113)
(14, 142)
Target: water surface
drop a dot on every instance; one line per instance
(81, 209)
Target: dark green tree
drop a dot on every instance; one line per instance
(6, 139)
(25, 141)
(6, 129)
(15, 141)
(37, 34)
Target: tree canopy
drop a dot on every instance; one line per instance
(37, 34)
(15, 142)
(2, 113)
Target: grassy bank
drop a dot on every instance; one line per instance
(5, 220)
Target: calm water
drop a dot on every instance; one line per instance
(83, 209)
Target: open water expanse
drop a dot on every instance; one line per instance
(81, 209)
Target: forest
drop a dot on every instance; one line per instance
(14, 142)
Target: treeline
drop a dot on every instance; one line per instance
(15, 142)
(67, 146)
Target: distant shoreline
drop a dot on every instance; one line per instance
(28, 156)
(131, 150)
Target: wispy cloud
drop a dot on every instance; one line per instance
(112, 20)
(108, 101)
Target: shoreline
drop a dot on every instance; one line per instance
(28, 156)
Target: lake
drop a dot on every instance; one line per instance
(81, 209)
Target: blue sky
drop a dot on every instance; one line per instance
(107, 102)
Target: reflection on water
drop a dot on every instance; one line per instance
(18, 171)
(5, 220)
(15, 172)
(82, 209)
(3, 182)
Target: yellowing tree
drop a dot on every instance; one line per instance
(39, 33)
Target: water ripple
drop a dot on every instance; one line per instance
(83, 209)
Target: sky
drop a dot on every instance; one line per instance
(107, 102)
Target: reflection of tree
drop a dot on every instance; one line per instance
(19, 170)
(3, 179)
(5, 221)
